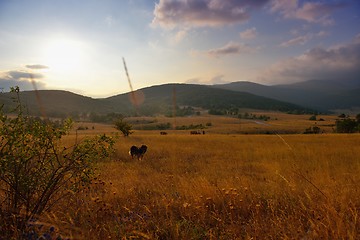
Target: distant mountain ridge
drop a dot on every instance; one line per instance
(317, 94)
(152, 100)
(297, 98)
(205, 97)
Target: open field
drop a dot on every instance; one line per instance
(278, 123)
(219, 186)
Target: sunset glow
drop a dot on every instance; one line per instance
(63, 55)
(81, 43)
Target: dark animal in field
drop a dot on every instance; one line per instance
(194, 132)
(138, 152)
(163, 133)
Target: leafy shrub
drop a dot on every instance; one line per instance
(36, 171)
(312, 118)
(312, 130)
(347, 125)
(247, 115)
(124, 127)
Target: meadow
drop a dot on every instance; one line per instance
(234, 182)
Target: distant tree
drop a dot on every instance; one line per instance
(358, 118)
(233, 110)
(215, 111)
(346, 125)
(264, 117)
(312, 118)
(316, 129)
(342, 115)
(123, 126)
(312, 130)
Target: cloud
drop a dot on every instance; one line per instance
(313, 12)
(22, 75)
(322, 34)
(249, 33)
(296, 41)
(194, 81)
(203, 13)
(179, 36)
(36, 66)
(109, 20)
(334, 63)
(230, 49)
(301, 40)
(20, 78)
(218, 79)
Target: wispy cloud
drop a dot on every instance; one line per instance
(322, 34)
(202, 13)
(194, 81)
(250, 33)
(179, 36)
(22, 75)
(217, 79)
(20, 78)
(36, 66)
(340, 62)
(232, 48)
(296, 41)
(301, 40)
(109, 20)
(313, 12)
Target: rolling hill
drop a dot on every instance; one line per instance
(161, 98)
(316, 94)
(55, 103)
(151, 101)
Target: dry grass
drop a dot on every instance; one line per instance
(279, 122)
(220, 186)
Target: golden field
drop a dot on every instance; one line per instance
(221, 185)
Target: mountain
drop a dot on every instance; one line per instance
(56, 103)
(161, 98)
(316, 94)
(149, 101)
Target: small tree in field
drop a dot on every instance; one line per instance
(346, 125)
(123, 126)
(358, 118)
(312, 118)
(37, 170)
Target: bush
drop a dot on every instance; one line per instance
(347, 125)
(123, 126)
(312, 130)
(36, 171)
(312, 118)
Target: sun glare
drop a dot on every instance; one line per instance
(64, 55)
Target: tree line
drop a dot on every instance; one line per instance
(346, 124)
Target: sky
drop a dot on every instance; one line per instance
(79, 45)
